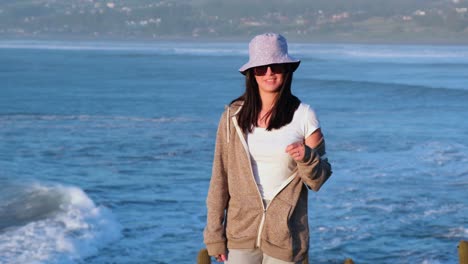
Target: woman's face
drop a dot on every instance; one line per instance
(269, 78)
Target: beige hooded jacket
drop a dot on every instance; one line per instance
(237, 217)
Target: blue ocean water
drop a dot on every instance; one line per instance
(106, 149)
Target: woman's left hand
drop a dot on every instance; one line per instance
(296, 150)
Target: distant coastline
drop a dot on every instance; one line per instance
(399, 40)
(412, 22)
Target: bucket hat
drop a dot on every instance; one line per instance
(268, 48)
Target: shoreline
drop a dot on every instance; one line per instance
(245, 39)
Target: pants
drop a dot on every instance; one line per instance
(252, 256)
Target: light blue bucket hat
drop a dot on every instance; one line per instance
(266, 49)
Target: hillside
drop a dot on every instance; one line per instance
(433, 21)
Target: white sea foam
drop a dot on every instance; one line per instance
(66, 45)
(458, 232)
(430, 261)
(444, 210)
(53, 224)
(98, 118)
(162, 48)
(213, 51)
(441, 154)
(428, 53)
(402, 53)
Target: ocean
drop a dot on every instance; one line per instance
(106, 149)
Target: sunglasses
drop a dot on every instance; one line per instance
(275, 68)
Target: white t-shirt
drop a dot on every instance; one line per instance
(271, 165)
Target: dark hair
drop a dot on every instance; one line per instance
(280, 115)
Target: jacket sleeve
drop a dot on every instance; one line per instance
(218, 195)
(314, 169)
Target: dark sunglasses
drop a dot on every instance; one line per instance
(275, 68)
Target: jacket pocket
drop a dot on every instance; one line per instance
(277, 229)
(243, 219)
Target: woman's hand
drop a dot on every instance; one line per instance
(296, 150)
(221, 258)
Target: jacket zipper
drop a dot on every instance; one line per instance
(260, 228)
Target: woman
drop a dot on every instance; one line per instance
(269, 147)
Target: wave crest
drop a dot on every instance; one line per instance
(51, 224)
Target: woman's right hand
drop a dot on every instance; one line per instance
(221, 258)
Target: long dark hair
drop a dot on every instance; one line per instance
(283, 109)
